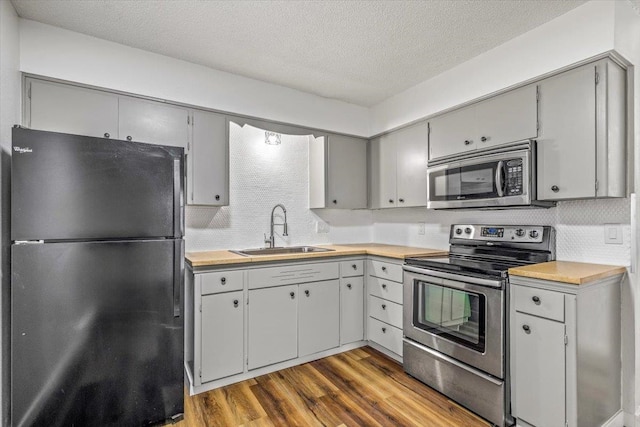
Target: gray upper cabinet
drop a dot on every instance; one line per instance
(208, 160)
(337, 172)
(70, 109)
(153, 122)
(502, 119)
(398, 168)
(582, 143)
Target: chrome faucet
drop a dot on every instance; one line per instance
(271, 240)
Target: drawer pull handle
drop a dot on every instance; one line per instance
(292, 295)
(384, 286)
(526, 328)
(384, 268)
(384, 306)
(384, 330)
(223, 280)
(355, 267)
(536, 300)
(235, 303)
(349, 285)
(306, 292)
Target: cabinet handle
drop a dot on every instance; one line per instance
(467, 142)
(384, 268)
(384, 330)
(235, 303)
(555, 188)
(223, 280)
(384, 286)
(355, 267)
(306, 292)
(390, 200)
(335, 202)
(217, 197)
(349, 285)
(384, 306)
(107, 135)
(536, 300)
(401, 200)
(292, 295)
(526, 328)
(484, 139)
(129, 138)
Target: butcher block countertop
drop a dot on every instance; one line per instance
(224, 257)
(576, 273)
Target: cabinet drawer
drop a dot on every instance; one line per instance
(385, 289)
(352, 268)
(387, 336)
(385, 311)
(539, 302)
(292, 274)
(385, 270)
(220, 281)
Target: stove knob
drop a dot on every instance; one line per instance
(458, 230)
(533, 234)
(467, 230)
(519, 232)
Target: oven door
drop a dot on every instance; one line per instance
(459, 316)
(502, 179)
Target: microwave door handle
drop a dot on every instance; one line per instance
(500, 179)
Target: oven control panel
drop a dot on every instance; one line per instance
(502, 233)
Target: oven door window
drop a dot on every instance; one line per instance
(464, 183)
(451, 313)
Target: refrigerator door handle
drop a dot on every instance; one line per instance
(178, 200)
(178, 276)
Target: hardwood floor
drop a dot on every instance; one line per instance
(361, 387)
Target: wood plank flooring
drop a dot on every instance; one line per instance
(361, 387)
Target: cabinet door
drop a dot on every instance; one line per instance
(509, 117)
(382, 172)
(351, 309)
(453, 133)
(69, 109)
(153, 122)
(567, 142)
(539, 367)
(411, 165)
(207, 181)
(273, 325)
(222, 335)
(319, 317)
(346, 172)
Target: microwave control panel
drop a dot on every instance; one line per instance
(515, 177)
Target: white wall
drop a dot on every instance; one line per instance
(260, 176)
(62, 54)
(579, 34)
(9, 115)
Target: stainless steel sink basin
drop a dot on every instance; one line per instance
(280, 251)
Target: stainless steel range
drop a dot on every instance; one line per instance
(455, 313)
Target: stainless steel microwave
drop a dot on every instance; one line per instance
(502, 178)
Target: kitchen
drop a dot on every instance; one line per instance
(257, 180)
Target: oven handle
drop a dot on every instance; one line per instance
(454, 362)
(499, 180)
(456, 277)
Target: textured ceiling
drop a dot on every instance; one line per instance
(357, 51)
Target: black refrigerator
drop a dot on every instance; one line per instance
(96, 278)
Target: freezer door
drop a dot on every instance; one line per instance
(96, 333)
(71, 187)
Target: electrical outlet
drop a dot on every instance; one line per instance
(421, 228)
(613, 234)
(322, 227)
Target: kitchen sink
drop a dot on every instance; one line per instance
(281, 251)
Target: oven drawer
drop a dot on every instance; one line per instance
(539, 302)
(386, 311)
(220, 281)
(352, 268)
(385, 270)
(386, 335)
(385, 289)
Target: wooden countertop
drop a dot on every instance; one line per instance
(576, 273)
(224, 257)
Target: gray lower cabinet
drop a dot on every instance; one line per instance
(351, 309)
(222, 335)
(565, 352)
(272, 325)
(582, 141)
(318, 317)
